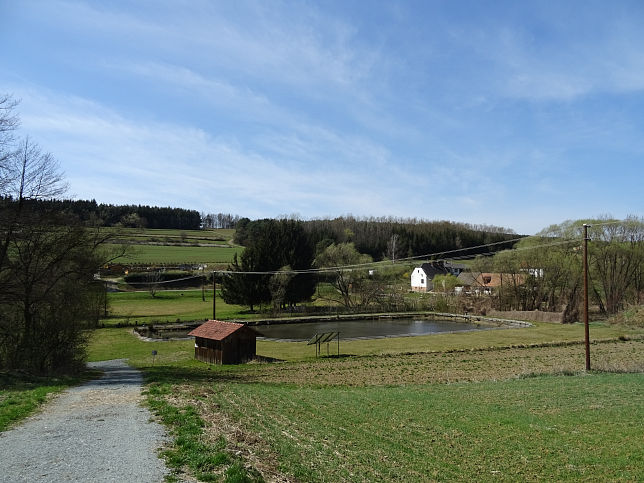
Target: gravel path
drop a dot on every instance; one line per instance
(95, 432)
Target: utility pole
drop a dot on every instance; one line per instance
(586, 331)
(214, 297)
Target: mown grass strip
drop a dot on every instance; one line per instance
(189, 451)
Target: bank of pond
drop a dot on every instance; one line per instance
(349, 328)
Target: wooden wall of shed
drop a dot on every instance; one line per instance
(240, 347)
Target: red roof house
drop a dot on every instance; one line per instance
(218, 342)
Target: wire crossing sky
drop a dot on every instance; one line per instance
(518, 114)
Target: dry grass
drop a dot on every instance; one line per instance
(452, 366)
(243, 444)
(631, 317)
(378, 417)
(531, 315)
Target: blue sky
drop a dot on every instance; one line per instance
(518, 114)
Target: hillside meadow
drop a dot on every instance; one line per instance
(502, 404)
(174, 247)
(493, 405)
(131, 308)
(177, 255)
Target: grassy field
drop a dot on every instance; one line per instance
(126, 308)
(175, 247)
(555, 427)
(494, 405)
(178, 255)
(147, 235)
(443, 407)
(499, 404)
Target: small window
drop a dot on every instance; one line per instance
(422, 280)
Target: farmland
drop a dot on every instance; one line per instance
(174, 247)
(176, 255)
(490, 405)
(547, 427)
(129, 308)
(452, 406)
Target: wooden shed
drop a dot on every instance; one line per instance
(218, 342)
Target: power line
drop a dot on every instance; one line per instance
(152, 282)
(382, 262)
(428, 256)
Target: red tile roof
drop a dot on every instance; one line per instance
(216, 329)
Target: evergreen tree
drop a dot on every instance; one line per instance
(270, 245)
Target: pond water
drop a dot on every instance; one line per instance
(363, 329)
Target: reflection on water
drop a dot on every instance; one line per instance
(367, 329)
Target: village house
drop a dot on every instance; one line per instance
(421, 277)
(486, 283)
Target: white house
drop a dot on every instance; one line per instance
(421, 277)
(419, 280)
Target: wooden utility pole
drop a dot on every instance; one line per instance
(214, 297)
(586, 331)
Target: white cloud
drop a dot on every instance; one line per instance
(112, 158)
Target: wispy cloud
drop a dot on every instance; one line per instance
(115, 158)
(420, 109)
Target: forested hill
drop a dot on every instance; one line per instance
(89, 211)
(393, 237)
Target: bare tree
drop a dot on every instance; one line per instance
(153, 279)
(8, 124)
(9, 121)
(27, 174)
(616, 257)
(48, 293)
(393, 247)
(30, 174)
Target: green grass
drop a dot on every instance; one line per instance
(119, 343)
(385, 413)
(208, 462)
(178, 255)
(21, 395)
(556, 427)
(156, 235)
(167, 306)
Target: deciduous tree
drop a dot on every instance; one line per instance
(347, 264)
(48, 294)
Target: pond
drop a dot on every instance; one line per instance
(363, 329)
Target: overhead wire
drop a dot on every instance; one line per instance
(357, 266)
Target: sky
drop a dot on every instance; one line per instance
(514, 114)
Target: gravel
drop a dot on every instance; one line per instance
(95, 432)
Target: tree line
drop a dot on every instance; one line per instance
(290, 245)
(545, 272)
(219, 220)
(391, 238)
(131, 216)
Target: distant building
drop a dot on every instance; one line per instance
(421, 277)
(218, 342)
(486, 283)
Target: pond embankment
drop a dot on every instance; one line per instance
(324, 322)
